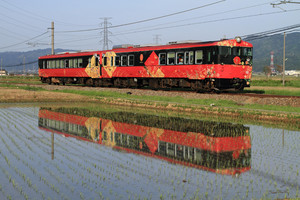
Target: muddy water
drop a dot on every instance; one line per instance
(80, 153)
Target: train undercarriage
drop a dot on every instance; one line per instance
(208, 84)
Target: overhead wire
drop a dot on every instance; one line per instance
(268, 33)
(208, 15)
(211, 21)
(145, 20)
(20, 64)
(24, 41)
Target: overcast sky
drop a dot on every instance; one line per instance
(25, 24)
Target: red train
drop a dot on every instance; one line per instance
(218, 147)
(216, 65)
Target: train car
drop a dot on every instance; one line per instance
(215, 65)
(223, 148)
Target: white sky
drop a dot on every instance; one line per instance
(22, 20)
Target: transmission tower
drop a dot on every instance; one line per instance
(156, 39)
(105, 32)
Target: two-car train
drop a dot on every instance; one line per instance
(217, 65)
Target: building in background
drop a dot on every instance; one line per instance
(3, 72)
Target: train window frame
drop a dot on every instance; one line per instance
(173, 56)
(71, 65)
(56, 64)
(117, 61)
(162, 58)
(44, 64)
(186, 57)
(191, 57)
(246, 51)
(80, 63)
(237, 51)
(75, 63)
(105, 61)
(66, 63)
(130, 60)
(196, 56)
(89, 62)
(179, 61)
(124, 60)
(112, 60)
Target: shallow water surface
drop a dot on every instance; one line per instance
(77, 153)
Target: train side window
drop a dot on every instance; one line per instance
(162, 58)
(186, 57)
(80, 63)
(104, 61)
(71, 63)
(179, 58)
(75, 63)
(52, 64)
(66, 63)
(123, 60)
(171, 58)
(61, 63)
(44, 64)
(199, 57)
(191, 59)
(112, 61)
(89, 62)
(130, 60)
(117, 61)
(57, 64)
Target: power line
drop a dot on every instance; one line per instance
(145, 20)
(210, 21)
(21, 64)
(268, 33)
(24, 41)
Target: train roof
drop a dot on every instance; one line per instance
(150, 47)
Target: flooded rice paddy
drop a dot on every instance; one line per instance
(78, 153)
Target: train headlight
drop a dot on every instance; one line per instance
(238, 39)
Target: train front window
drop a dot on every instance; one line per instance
(237, 51)
(247, 51)
(225, 51)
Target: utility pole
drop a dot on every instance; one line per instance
(52, 38)
(105, 32)
(1, 66)
(24, 66)
(283, 62)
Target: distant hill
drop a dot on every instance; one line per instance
(261, 54)
(263, 47)
(13, 61)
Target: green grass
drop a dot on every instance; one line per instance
(30, 88)
(184, 102)
(275, 81)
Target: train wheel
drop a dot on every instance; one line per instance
(239, 87)
(89, 82)
(48, 81)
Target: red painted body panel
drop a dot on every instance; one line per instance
(71, 72)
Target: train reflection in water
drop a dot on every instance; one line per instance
(223, 148)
